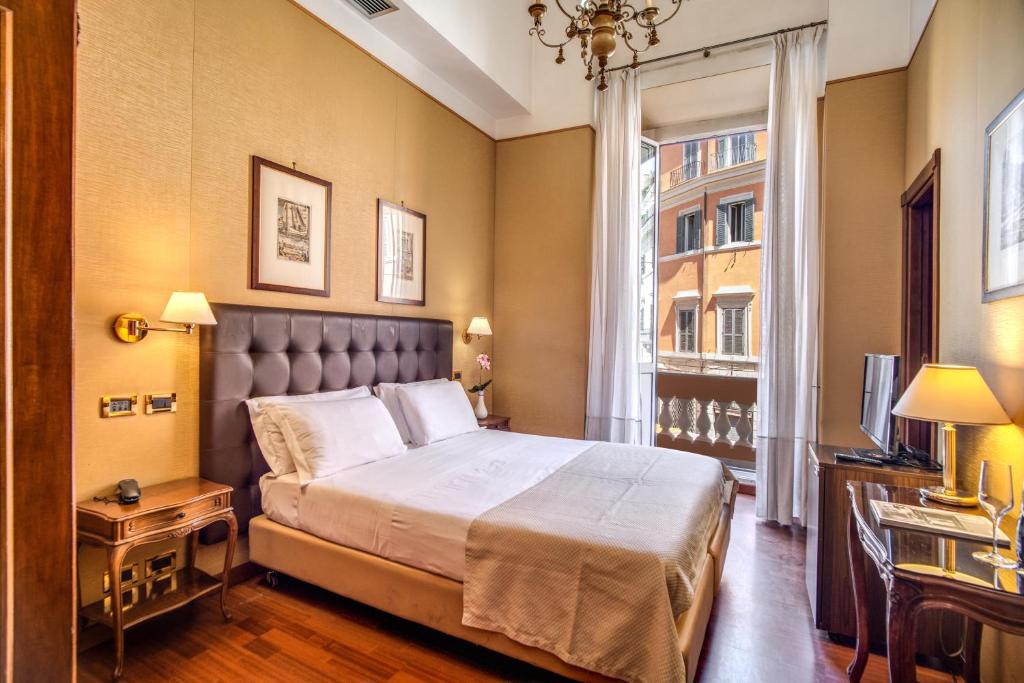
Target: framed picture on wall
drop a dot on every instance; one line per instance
(1003, 258)
(291, 230)
(401, 255)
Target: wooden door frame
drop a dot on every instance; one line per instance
(928, 180)
(40, 623)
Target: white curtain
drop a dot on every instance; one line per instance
(786, 377)
(613, 387)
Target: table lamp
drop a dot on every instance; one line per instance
(950, 395)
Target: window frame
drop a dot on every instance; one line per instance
(733, 305)
(693, 213)
(692, 307)
(729, 203)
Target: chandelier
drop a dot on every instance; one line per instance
(598, 24)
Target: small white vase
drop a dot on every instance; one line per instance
(481, 407)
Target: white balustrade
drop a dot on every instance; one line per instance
(709, 421)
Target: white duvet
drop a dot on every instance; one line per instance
(416, 508)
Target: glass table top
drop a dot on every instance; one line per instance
(931, 553)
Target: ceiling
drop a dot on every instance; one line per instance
(720, 96)
(476, 57)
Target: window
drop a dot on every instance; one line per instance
(734, 221)
(691, 160)
(738, 148)
(686, 330)
(688, 231)
(732, 328)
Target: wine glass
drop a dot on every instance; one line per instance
(995, 493)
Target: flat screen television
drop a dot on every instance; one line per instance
(881, 391)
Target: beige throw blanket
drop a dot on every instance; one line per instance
(596, 562)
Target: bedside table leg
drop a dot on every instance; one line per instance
(229, 555)
(115, 557)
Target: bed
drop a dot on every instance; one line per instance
(420, 535)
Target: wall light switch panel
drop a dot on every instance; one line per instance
(456, 375)
(118, 406)
(161, 403)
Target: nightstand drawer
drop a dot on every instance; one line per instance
(173, 516)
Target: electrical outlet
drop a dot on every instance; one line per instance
(456, 375)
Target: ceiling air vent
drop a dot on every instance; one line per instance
(374, 8)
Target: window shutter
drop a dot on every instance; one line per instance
(726, 330)
(721, 224)
(680, 233)
(698, 230)
(739, 342)
(748, 221)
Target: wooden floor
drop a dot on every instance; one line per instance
(760, 631)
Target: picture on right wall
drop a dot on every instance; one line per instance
(1003, 257)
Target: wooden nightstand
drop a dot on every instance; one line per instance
(176, 509)
(498, 422)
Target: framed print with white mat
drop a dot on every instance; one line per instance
(291, 230)
(401, 255)
(1003, 258)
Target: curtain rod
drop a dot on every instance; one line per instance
(706, 51)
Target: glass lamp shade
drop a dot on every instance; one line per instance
(188, 308)
(479, 326)
(955, 394)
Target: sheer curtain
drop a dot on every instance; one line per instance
(786, 386)
(613, 387)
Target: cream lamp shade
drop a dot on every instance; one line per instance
(954, 394)
(188, 308)
(950, 394)
(477, 326)
(480, 327)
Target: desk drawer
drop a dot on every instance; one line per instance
(174, 516)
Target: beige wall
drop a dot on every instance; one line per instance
(173, 98)
(862, 169)
(541, 281)
(966, 69)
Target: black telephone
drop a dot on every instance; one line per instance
(128, 491)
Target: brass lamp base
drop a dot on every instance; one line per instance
(941, 494)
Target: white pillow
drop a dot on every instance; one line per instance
(436, 411)
(387, 392)
(268, 434)
(325, 438)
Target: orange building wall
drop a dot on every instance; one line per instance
(708, 270)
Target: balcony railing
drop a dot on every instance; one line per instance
(733, 156)
(710, 415)
(688, 171)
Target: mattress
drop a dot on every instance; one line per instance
(416, 508)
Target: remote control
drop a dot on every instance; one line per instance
(863, 459)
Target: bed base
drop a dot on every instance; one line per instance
(436, 601)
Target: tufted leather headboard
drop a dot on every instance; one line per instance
(256, 351)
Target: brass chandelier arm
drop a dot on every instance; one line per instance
(636, 51)
(571, 16)
(654, 24)
(540, 33)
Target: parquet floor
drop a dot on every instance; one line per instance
(760, 631)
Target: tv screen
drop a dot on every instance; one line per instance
(881, 385)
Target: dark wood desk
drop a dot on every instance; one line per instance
(827, 566)
(175, 509)
(924, 571)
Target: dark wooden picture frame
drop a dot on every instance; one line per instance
(383, 204)
(255, 229)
